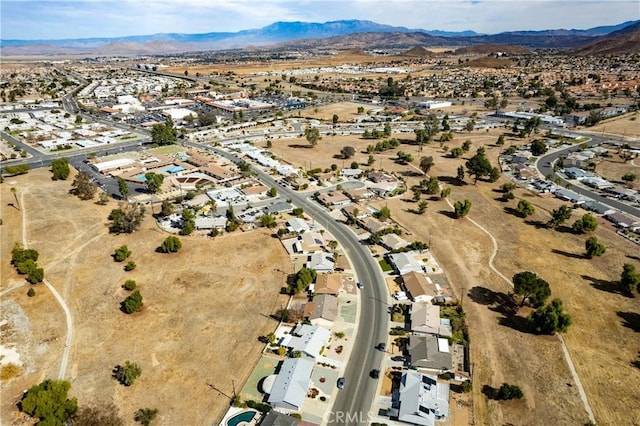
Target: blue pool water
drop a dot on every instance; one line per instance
(245, 416)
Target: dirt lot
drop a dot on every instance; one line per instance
(203, 309)
(614, 167)
(625, 126)
(603, 338)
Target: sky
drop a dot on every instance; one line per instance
(61, 19)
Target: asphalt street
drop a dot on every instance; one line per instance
(545, 167)
(352, 404)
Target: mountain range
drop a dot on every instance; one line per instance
(344, 33)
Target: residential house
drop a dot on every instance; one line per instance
(597, 182)
(334, 198)
(569, 195)
(374, 225)
(598, 208)
(321, 262)
(357, 194)
(406, 262)
(275, 418)
(323, 310)
(290, 386)
(355, 211)
(429, 352)
(575, 173)
(379, 176)
(278, 207)
(351, 173)
(623, 220)
(208, 222)
(421, 399)
(308, 339)
(328, 283)
(419, 287)
(425, 319)
(393, 242)
(298, 225)
(310, 242)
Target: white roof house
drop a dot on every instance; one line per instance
(308, 339)
(406, 262)
(423, 400)
(291, 384)
(321, 262)
(113, 164)
(298, 225)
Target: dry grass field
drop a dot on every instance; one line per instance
(603, 338)
(626, 126)
(204, 307)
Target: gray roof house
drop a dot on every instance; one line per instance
(429, 352)
(291, 384)
(325, 310)
(275, 418)
(422, 399)
(598, 208)
(425, 319)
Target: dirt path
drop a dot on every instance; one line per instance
(52, 289)
(565, 350)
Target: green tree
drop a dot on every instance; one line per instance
(466, 145)
(629, 177)
(312, 134)
(560, 216)
(164, 134)
(298, 212)
(154, 182)
(461, 209)
(532, 288)
(422, 206)
(432, 185)
(347, 152)
(445, 193)
(171, 244)
(404, 157)
(629, 279)
(18, 169)
(507, 392)
(494, 174)
(500, 140)
(60, 169)
(384, 213)
(126, 219)
(31, 292)
(128, 373)
(525, 208)
(49, 402)
(121, 253)
(456, 152)
(273, 192)
(82, 187)
(19, 255)
(550, 319)
(188, 222)
(123, 188)
(133, 303)
(587, 223)
(130, 266)
(304, 277)
(78, 119)
(538, 147)
(335, 119)
(425, 164)
(593, 248)
(129, 285)
(387, 130)
(460, 173)
(268, 221)
(145, 415)
(479, 166)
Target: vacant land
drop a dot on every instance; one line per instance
(204, 307)
(605, 326)
(625, 126)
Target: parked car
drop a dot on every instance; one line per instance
(382, 346)
(360, 285)
(341, 381)
(375, 374)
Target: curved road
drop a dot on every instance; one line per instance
(544, 166)
(352, 404)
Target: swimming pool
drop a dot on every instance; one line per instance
(245, 416)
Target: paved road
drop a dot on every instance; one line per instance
(545, 168)
(353, 403)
